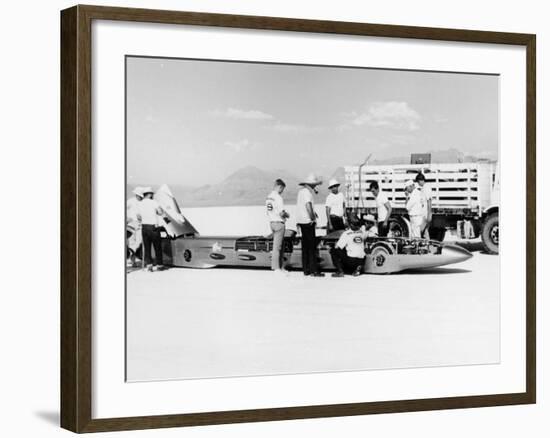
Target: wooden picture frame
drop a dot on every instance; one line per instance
(76, 218)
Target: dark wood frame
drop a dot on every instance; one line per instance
(76, 174)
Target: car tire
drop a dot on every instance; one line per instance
(398, 227)
(490, 233)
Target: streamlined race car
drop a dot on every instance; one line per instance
(382, 255)
(184, 247)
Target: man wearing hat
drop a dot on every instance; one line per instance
(416, 208)
(306, 220)
(335, 207)
(133, 228)
(132, 204)
(149, 214)
(426, 192)
(348, 255)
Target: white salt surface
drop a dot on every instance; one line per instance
(185, 323)
(242, 221)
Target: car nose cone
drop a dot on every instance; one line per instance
(455, 254)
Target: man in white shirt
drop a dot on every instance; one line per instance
(306, 220)
(335, 207)
(427, 194)
(149, 215)
(416, 207)
(132, 204)
(277, 216)
(383, 208)
(348, 255)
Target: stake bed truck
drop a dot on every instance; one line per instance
(465, 197)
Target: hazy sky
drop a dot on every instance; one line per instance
(193, 122)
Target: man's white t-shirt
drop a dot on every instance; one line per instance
(381, 209)
(336, 204)
(274, 207)
(416, 205)
(353, 242)
(302, 215)
(147, 208)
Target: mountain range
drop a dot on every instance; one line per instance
(250, 185)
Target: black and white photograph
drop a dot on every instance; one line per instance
(294, 219)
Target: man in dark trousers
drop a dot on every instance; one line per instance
(348, 255)
(149, 214)
(335, 207)
(306, 219)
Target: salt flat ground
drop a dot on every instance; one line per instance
(185, 323)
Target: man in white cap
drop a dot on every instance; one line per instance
(132, 204)
(335, 207)
(133, 227)
(149, 214)
(277, 216)
(416, 208)
(306, 219)
(426, 192)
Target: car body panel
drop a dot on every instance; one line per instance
(383, 255)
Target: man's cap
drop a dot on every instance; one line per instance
(146, 190)
(311, 180)
(333, 182)
(138, 191)
(409, 183)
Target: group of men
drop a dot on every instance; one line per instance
(418, 204)
(348, 254)
(144, 216)
(348, 251)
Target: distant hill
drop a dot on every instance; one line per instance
(247, 186)
(444, 156)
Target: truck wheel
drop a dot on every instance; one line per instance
(398, 227)
(489, 233)
(437, 234)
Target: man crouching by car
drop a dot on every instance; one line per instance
(348, 255)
